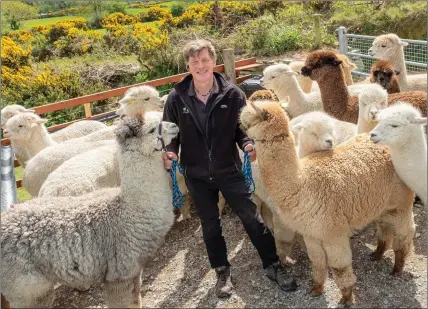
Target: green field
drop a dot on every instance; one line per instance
(132, 11)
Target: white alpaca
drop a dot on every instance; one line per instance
(342, 130)
(139, 98)
(401, 129)
(104, 237)
(28, 136)
(370, 103)
(9, 111)
(391, 47)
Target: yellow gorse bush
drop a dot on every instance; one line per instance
(13, 55)
(118, 18)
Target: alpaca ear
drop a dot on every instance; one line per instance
(27, 110)
(297, 128)
(419, 120)
(397, 72)
(41, 121)
(404, 44)
(263, 114)
(352, 66)
(372, 79)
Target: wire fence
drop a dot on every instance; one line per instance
(356, 48)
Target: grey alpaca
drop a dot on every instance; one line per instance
(105, 236)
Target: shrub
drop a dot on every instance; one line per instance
(115, 19)
(13, 56)
(177, 10)
(153, 14)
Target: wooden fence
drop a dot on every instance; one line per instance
(86, 101)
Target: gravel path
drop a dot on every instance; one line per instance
(179, 276)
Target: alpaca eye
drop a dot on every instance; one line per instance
(383, 46)
(20, 126)
(152, 130)
(146, 99)
(394, 125)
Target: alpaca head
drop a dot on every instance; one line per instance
(382, 73)
(9, 111)
(262, 95)
(322, 63)
(274, 74)
(264, 120)
(315, 132)
(163, 100)
(398, 125)
(21, 126)
(386, 46)
(371, 101)
(140, 134)
(139, 99)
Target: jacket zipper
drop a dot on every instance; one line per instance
(206, 131)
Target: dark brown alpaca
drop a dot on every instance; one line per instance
(384, 73)
(324, 67)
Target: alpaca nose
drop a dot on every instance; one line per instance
(373, 135)
(305, 71)
(329, 142)
(373, 113)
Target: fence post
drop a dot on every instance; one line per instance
(229, 65)
(317, 30)
(88, 112)
(343, 40)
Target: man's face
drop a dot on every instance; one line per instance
(201, 66)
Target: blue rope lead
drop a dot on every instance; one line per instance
(177, 196)
(248, 173)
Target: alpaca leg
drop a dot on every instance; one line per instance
(30, 291)
(265, 212)
(284, 238)
(185, 210)
(339, 258)
(384, 240)
(318, 259)
(122, 294)
(402, 244)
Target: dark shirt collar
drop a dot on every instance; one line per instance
(191, 91)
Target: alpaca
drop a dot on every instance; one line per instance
(343, 130)
(74, 130)
(262, 95)
(27, 135)
(384, 73)
(401, 129)
(9, 111)
(391, 47)
(324, 67)
(306, 83)
(101, 237)
(370, 104)
(327, 194)
(137, 98)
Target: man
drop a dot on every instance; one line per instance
(206, 108)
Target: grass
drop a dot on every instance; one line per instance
(23, 195)
(44, 21)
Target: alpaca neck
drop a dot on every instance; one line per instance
(400, 65)
(410, 162)
(39, 140)
(305, 149)
(334, 92)
(364, 126)
(142, 173)
(290, 87)
(280, 170)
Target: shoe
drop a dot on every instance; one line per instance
(224, 285)
(276, 272)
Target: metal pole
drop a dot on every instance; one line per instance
(343, 40)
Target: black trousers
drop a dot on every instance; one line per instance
(205, 197)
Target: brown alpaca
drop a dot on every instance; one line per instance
(327, 194)
(324, 67)
(384, 73)
(263, 95)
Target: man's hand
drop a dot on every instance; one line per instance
(167, 157)
(251, 151)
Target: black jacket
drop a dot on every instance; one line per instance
(215, 155)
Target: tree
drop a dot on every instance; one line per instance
(14, 12)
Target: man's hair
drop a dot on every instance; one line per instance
(194, 47)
